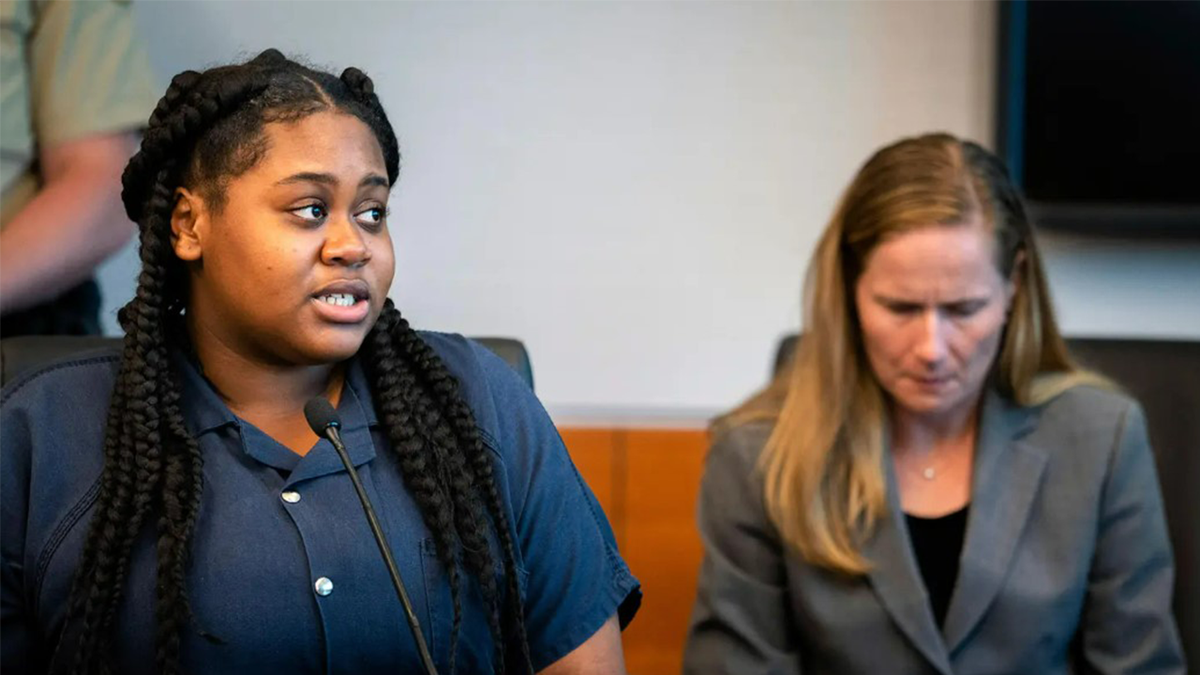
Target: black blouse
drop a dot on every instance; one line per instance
(938, 543)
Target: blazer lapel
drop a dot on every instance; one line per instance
(896, 580)
(1006, 476)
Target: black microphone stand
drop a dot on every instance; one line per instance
(323, 420)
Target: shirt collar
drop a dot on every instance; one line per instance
(357, 417)
(358, 388)
(204, 410)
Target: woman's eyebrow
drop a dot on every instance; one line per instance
(972, 300)
(374, 180)
(309, 177)
(965, 300)
(329, 179)
(892, 300)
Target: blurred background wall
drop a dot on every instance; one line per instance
(634, 189)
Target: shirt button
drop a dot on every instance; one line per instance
(290, 496)
(323, 586)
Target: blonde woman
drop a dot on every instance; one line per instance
(933, 486)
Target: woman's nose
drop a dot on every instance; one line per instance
(344, 244)
(931, 345)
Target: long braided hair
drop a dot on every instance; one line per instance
(207, 129)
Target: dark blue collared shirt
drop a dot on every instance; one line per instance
(284, 570)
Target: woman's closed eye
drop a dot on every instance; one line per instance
(903, 308)
(965, 309)
(962, 309)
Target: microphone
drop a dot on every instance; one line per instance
(324, 422)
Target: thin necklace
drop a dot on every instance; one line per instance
(930, 471)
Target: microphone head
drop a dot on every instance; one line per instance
(320, 415)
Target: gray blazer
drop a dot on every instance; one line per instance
(1066, 566)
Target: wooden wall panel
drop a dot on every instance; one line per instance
(662, 545)
(592, 452)
(651, 478)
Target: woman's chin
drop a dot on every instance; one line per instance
(937, 406)
(927, 402)
(330, 346)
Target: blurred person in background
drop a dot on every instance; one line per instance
(933, 485)
(76, 86)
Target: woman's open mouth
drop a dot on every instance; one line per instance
(343, 302)
(341, 308)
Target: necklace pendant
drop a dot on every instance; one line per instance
(929, 473)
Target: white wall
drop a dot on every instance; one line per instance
(634, 188)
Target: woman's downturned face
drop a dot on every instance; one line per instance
(294, 265)
(932, 306)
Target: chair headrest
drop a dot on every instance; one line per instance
(28, 353)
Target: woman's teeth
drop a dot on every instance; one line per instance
(339, 299)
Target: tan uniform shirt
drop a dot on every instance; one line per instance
(68, 69)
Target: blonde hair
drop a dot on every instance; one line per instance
(825, 486)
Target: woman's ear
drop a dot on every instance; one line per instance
(188, 224)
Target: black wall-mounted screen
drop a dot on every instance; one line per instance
(1100, 112)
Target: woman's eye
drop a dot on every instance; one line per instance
(311, 212)
(372, 217)
(964, 309)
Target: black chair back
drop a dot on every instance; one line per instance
(514, 354)
(1164, 376)
(27, 353)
